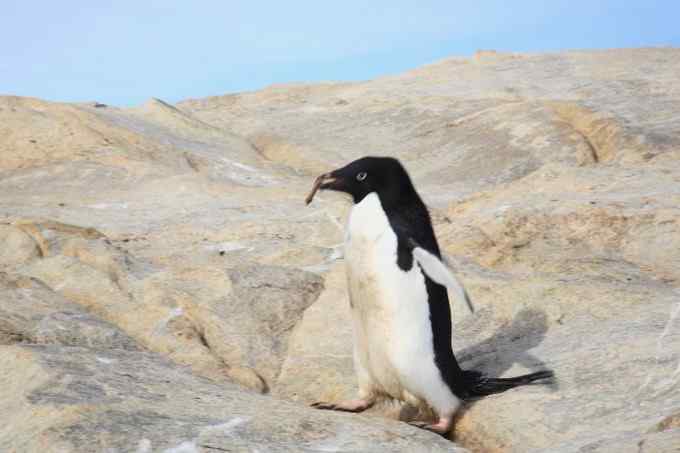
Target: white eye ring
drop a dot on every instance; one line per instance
(361, 176)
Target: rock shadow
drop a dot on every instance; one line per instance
(510, 344)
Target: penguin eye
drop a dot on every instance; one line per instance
(361, 176)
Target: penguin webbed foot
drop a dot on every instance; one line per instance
(344, 406)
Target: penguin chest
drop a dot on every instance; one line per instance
(370, 251)
(389, 305)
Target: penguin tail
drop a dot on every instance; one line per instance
(479, 385)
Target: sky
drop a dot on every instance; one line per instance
(124, 52)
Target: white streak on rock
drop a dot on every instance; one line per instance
(109, 206)
(174, 313)
(668, 383)
(226, 427)
(144, 446)
(243, 166)
(184, 447)
(226, 246)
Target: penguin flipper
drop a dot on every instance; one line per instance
(437, 270)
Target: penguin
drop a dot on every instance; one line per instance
(397, 285)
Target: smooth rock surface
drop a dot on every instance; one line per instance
(87, 400)
(554, 185)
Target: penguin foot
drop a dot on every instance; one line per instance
(443, 426)
(345, 406)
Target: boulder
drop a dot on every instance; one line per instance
(65, 398)
(174, 240)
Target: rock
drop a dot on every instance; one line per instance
(553, 184)
(79, 329)
(79, 399)
(30, 312)
(213, 333)
(18, 247)
(268, 300)
(321, 370)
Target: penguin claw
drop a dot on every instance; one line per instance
(437, 428)
(323, 405)
(347, 406)
(419, 424)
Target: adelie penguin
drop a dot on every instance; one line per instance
(398, 298)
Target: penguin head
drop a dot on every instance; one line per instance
(384, 176)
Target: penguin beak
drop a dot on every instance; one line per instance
(323, 182)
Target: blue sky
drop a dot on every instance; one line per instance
(123, 52)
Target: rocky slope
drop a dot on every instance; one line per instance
(165, 288)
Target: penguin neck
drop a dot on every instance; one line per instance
(367, 218)
(404, 197)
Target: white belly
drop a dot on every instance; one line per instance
(393, 334)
